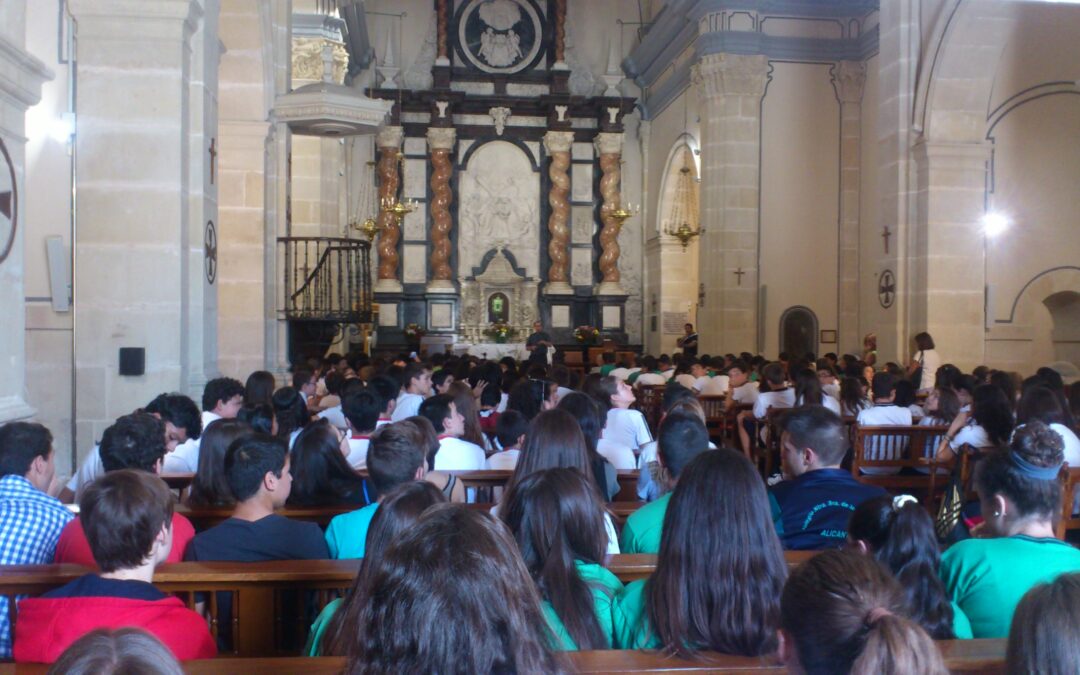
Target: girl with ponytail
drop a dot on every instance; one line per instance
(900, 535)
(557, 519)
(841, 612)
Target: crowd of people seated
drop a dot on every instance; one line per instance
(509, 588)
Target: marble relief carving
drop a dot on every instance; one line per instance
(499, 207)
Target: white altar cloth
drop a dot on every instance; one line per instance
(493, 351)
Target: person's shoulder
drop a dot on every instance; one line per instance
(599, 575)
(353, 518)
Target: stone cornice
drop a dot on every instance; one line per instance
(21, 75)
(136, 20)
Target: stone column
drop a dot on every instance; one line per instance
(946, 259)
(441, 145)
(609, 148)
(388, 141)
(133, 151)
(848, 79)
(21, 77)
(730, 88)
(557, 144)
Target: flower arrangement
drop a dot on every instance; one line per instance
(587, 335)
(413, 332)
(499, 331)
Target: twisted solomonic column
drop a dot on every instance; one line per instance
(389, 143)
(609, 147)
(441, 144)
(557, 144)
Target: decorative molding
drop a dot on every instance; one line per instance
(558, 141)
(608, 143)
(389, 137)
(849, 80)
(21, 75)
(731, 74)
(440, 138)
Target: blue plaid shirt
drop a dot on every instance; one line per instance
(30, 526)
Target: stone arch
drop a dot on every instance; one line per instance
(1064, 308)
(798, 331)
(685, 145)
(957, 71)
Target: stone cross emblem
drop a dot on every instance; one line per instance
(887, 289)
(9, 198)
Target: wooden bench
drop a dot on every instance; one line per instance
(961, 657)
(896, 449)
(1070, 478)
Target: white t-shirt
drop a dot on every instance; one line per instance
(827, 402)
(563, 392)
(785, 398)
(620, 456)
(917, 412)
(747, 394)
(884, 447)
(716, 385)
(408, 405)
(832, 389)
(930, 363)
(650, 378)
(503, 461)
(1072, 445)
(668, 374)
(358, 447)
(90, 470)
(687, 380)
(626, 428)
(457, 455)
(185, 458)
(336, 417)
(623, 373)
(972, 434)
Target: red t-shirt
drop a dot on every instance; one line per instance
(74, 548)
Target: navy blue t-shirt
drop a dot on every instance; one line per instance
(94, 586)
(811, 512)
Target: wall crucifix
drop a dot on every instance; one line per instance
(739, 273)
(213, 158)
(885, 234)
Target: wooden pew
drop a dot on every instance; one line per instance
(909, 445)
(961, 657)
(1070, 478)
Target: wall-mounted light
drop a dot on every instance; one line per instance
(994, 223)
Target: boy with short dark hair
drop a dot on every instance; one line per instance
(135, 441)
(361, 409)
(416, 381)
(682, 437)
(257, 470)
(222, 399)
(454, 453)
(395, 456)
(883, 413)
(510, 430)
(127, 515)
(30, 520)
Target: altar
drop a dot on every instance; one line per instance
(493, 351)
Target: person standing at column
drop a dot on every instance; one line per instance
(538, 344)
(689, 341)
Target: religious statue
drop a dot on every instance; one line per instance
(500, 45)
(498, 308)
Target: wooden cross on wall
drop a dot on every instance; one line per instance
(739, 273)
(885, 234)
(213, 158)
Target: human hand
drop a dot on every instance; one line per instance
(479, 388)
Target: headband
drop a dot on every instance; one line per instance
(1030, 470)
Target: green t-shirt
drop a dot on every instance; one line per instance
(605, 587)
(314, 646)
(630, 621)
(606, 369)
(641, 533)
(987, 577)
(961, 627)
(347, 533)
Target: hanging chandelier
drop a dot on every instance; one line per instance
(683, 223)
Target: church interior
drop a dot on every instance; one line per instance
(201, 187)
(479, 331)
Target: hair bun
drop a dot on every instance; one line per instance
(1039, 444)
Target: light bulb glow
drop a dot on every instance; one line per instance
(994, 223)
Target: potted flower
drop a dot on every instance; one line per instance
(499, 331)
(587, 335)
(413, 333)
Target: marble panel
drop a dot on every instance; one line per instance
(581, 183)
(414, 267)
(611, 317)
(415, 224)
(582, 151)
(388, 315)
(499, 206)
(583, 225)
(441, 316)
(581, 266)
(560, 316)
(415, 178)
(416, 146)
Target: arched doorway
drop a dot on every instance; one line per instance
(1064, 309)
(798, 331)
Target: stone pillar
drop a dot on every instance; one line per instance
(21, 77)
(133, 206)
(609, 148)
(441, 145)
(388, 141)
(730, 88)
(947, 258)
(557, 144)
(848, 79)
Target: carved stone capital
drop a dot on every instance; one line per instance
(731, 75)
(441, 138)
(849, 77)
(558, 141)
(390, 137)
(608, 143)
